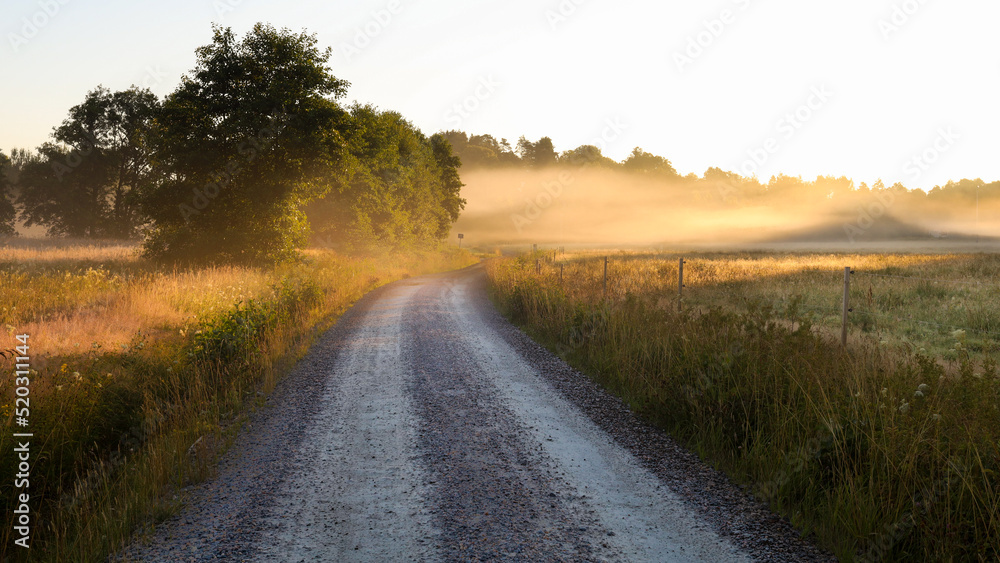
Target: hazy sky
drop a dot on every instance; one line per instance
(854, 87)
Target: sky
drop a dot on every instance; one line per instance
(898, 90)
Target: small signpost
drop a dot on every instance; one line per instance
(460, 237)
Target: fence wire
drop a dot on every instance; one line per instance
(691, 298)
(935, 280)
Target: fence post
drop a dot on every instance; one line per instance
(680, 286)
(560, 273)
(847, 305)
(605, 276)
(538, 267)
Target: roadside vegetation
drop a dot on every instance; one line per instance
(217, 231)
(886, 451)
(142, 373)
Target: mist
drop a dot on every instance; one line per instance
(596, 206)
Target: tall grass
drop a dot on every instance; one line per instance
(881, 452)
(141, 374)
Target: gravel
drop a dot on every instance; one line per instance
(424, 427)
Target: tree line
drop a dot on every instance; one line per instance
(724, 187)
(249, 158)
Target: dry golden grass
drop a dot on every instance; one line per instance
(132, 363)
(110, 306)
(54, 251)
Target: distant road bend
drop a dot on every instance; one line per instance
(424, 427)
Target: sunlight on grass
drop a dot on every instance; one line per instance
(886, 450)
(132, 364)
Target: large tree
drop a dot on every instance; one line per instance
(398, 189)
(450, 189)
(245, 141)
(87, 183)
(7, 212)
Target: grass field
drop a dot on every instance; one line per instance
(887, 450)
(139, 374)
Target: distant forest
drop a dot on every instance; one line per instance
(484, 151)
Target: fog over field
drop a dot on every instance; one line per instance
(588, 205)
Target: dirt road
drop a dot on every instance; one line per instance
(425, 428)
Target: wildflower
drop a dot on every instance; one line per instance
(904, 408)
(77, 376)
(919, 394)
(58, 387)
(923, 387)
(885, 391)
(958, 334)
(936, 416)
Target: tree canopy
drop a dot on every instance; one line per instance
(245, 160)
(8, 213)
(88, 183)
(243, 143)
(399, 187)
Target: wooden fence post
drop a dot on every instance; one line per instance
(680, 286)
(847, 305)
(605, 276)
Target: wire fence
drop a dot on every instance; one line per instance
(910, 307)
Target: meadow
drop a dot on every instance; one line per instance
(141, 374)
(888, 449)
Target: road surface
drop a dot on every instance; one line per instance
(423, 427)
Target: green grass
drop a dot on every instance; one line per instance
(888, 450)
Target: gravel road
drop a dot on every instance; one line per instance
(424, 427)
